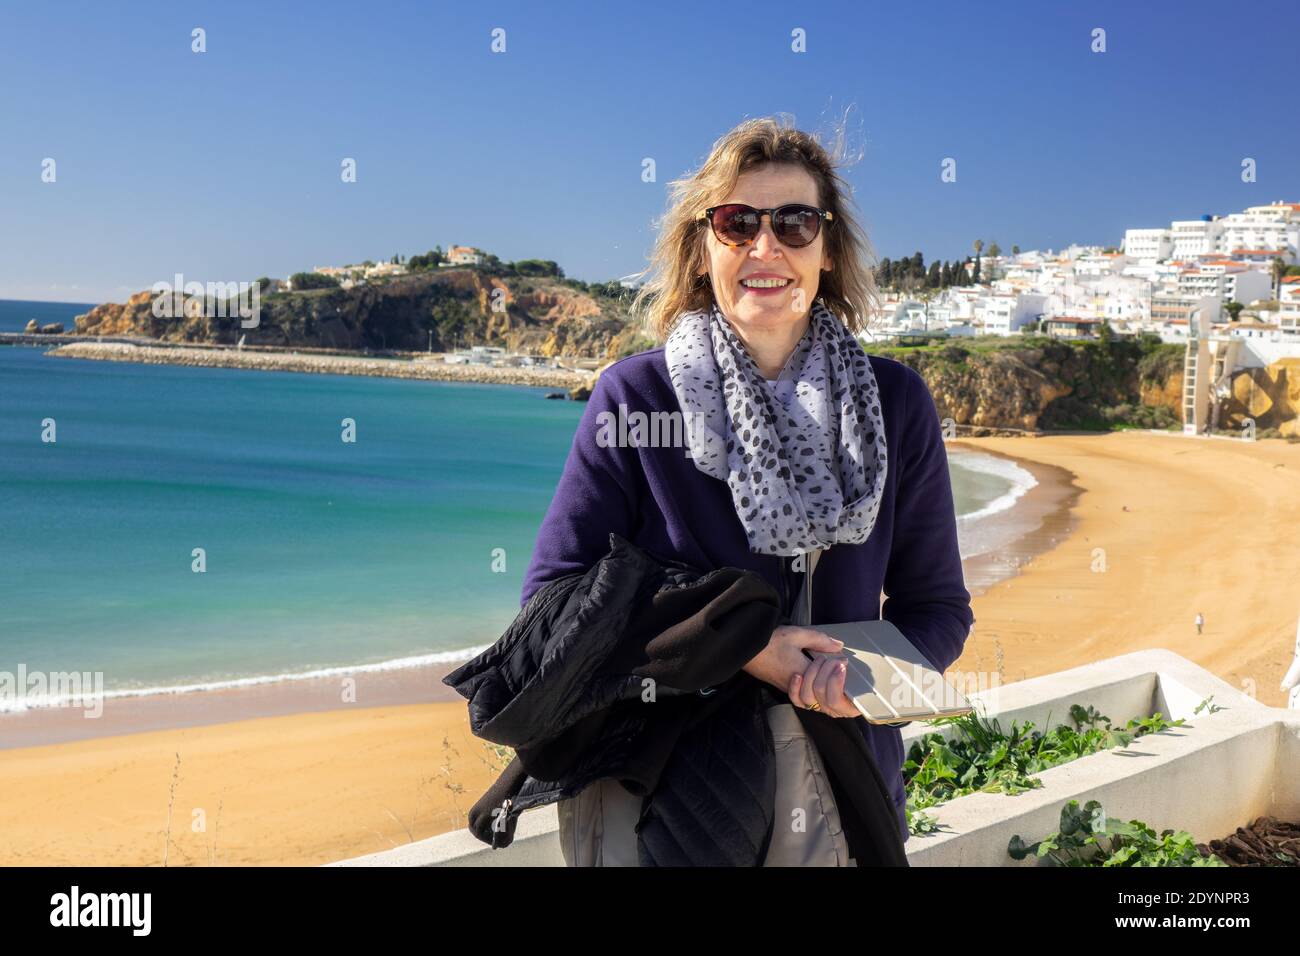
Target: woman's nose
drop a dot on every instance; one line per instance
(765, 242)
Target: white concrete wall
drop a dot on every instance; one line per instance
(1216, 773)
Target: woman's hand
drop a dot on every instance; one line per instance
(783, 659)
(823, 683)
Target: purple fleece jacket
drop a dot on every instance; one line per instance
(656, 498)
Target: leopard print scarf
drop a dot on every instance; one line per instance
(802, 477)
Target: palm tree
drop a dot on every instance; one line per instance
(994, 251)
(1279, 270)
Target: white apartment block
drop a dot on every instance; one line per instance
(1151, 245)
(1231, 282)
(1261, 230)
(940, 313)
(1288, 316)
(1248, 285)
(1001, 314)
(1205, 281)
(1170, 312)
(1289, 211)
(1195, 237)
(1095, 265)
(950, 311)
(903, 315)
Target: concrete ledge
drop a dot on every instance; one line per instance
(1208, 777)
(536, 843)
(1215, 773)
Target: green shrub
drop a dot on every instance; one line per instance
(1087, 837)
(984, 758)
(1139, 416)
(303, 281)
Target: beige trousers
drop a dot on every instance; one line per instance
(597, 827)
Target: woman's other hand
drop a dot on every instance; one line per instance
(783, 659)
(822, 682)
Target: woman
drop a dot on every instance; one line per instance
(795, 441)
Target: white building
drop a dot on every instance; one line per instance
(904, 315)
(1099, 264)
(1288, 316)
(1151, 245)
(1230, 281)
(464, 256)
(1262, 229)
(351, 275)
(1008, 314)
(1195, 237)
(1170, 313)
(385, 269)
(1124, 301)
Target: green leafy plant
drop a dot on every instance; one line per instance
(1087, 837)
(918, 821)
(984, 758)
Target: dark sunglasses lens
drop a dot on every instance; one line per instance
(796, 225)
(735, 223)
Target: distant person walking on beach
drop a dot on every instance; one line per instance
(1200, 620)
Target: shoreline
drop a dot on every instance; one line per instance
(149, 713)
(1038, 519)
(1184, 526)
(288, 772)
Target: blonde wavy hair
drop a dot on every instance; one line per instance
(680, 251)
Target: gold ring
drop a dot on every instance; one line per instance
(815, 705)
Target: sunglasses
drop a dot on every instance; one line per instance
(793, 224)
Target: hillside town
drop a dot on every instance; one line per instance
(1220, 270)
(1219, 285)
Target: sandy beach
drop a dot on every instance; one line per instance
(1173, 526)
(288, 774)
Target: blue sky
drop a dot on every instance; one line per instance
(225, 165)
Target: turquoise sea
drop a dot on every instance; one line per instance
(319, 553)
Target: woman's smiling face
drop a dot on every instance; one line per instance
(766, 310)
